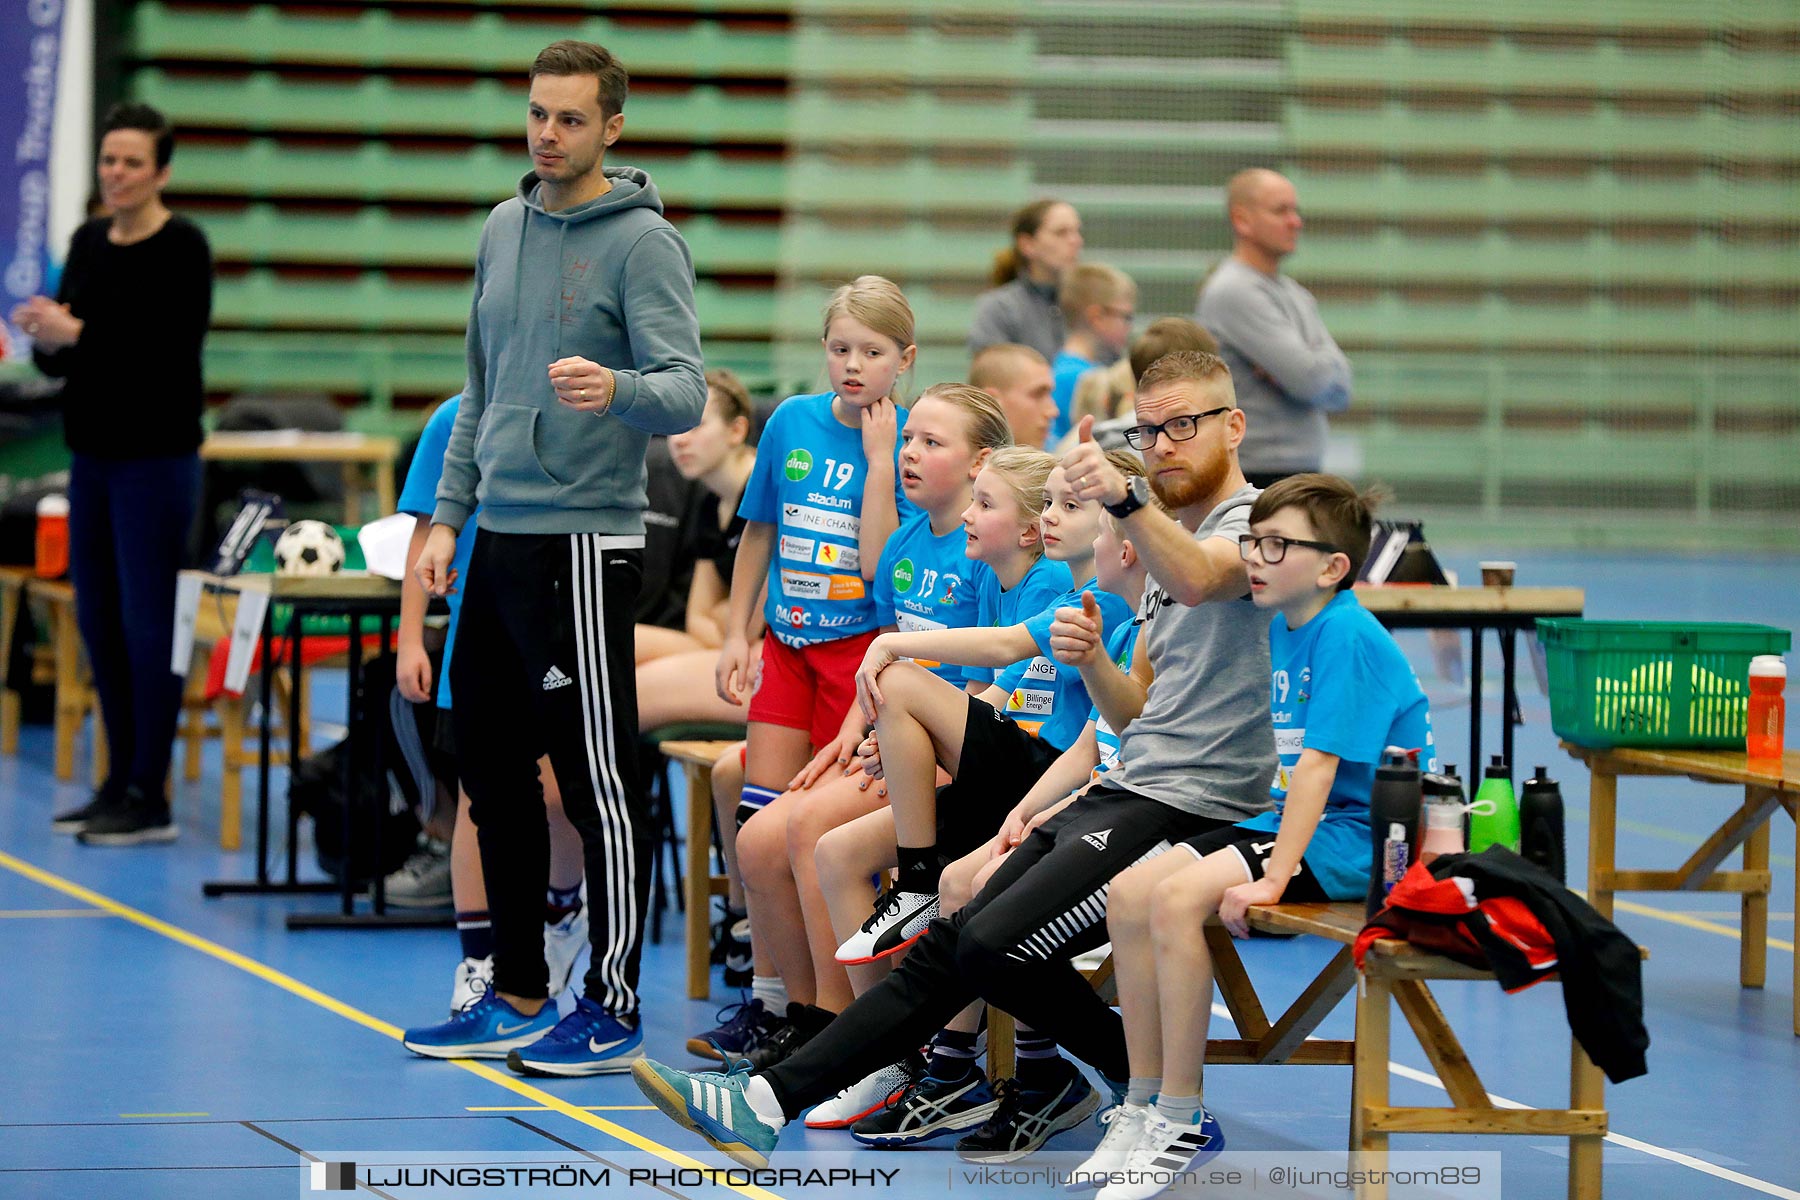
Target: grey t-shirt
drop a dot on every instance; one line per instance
(1204, 742)
(1286, 368)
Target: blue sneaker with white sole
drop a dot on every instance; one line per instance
(711, 1104)
(489, 1028)
(589, 1041)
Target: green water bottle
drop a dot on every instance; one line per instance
(1494, 814)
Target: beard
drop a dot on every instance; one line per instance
(1193, 484)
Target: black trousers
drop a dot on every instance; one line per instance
(544, 664)
(1010, 946)
(128, 530)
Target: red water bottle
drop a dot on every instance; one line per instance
(52, 560)
(1768, 710)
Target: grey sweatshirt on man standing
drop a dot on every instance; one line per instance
(1286, 368)
(610, 281)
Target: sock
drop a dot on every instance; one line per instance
(919, 869)
(952, 1055)
(476, 933)
(772, 992)
(751, 801)
(1179, 1110)
(560, 902)
(1142, 1089)
(1040, 1064)
(761, 1098)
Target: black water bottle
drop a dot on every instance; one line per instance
(1541, 825)
(1394, 801)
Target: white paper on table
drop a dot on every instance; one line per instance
(385, 542)
(245, 633)
(187, 613)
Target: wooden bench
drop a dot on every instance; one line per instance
(1394, 973)
(75, 697)
(696, 760)
(12, 600)
(1766, 789)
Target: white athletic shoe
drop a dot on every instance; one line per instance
(1164, 1150)
(474, 976)
(1124, 1126)
(899, 920)
(865, 1096)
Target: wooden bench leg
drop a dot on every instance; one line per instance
(11, 598)
(698, 880)
(1603, 806)
(1002, 1044)
(1373, 1004)
(66, 647)
(1587, 1090)
(231, 787)
(1753, 947)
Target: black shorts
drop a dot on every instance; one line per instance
(1000, 763)
(1253, 847)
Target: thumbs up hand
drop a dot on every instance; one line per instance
(1088, 473)
(1078, 635)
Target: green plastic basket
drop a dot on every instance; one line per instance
(1653, 683)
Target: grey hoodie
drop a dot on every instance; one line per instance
(610, 281)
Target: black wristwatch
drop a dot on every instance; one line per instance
(1137, 494)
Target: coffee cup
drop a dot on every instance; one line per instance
(1497, 574)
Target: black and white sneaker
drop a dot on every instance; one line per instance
(138, 820)
(1163, 1152)
(867, 1095)
(899, 920)
(929, 1108)
(1025, 1120)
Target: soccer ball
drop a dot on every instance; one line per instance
(309, 548)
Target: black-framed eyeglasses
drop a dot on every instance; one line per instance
(1274, 547)
(1178, 429)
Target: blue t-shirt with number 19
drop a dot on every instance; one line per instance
(1340, 685)
(808, 484)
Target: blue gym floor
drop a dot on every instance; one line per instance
(168, 1045)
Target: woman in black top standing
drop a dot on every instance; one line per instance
(125, 334)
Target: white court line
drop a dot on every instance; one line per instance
(1618, 1139)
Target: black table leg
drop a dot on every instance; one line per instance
(1509, 699)
(1472, 774)
(262, 885)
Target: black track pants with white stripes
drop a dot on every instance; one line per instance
(543, 664)
(1010, 945)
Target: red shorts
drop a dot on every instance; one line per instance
(810, 688)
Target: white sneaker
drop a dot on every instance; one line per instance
(1124, 1126)
(899, 920)
(564, 941)
(864, 1096)
(474, 976)
(1164, 1150)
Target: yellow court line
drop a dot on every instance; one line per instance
(54, 912)
(1676, 918)
(332, 1004)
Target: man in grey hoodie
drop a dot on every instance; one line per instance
(582, 343)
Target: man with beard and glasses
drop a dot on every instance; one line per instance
(1197, 751)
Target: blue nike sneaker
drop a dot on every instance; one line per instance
(589, 1041)
(489, 1028)
(713, 1106)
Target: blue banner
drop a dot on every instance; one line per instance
(30, 40)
